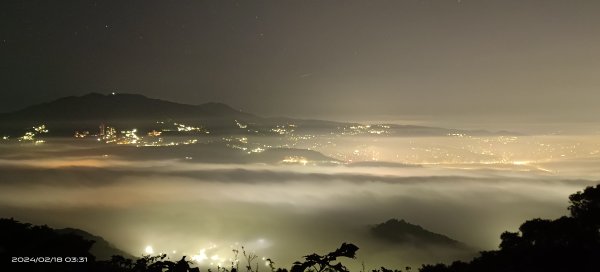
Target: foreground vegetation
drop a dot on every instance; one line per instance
(569, 243)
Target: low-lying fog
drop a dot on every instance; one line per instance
(284, 211)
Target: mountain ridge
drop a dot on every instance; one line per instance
(86, 112)
(96, 106)
(101, 249)
(402, 232)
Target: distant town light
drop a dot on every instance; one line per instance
(149, 250)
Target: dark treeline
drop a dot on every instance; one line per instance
(569, 243)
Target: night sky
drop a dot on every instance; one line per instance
(507, 61)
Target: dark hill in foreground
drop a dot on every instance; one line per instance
(23, 239)
(101, 249)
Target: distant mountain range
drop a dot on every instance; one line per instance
(402, 232)
(116, 107)
(65, 115)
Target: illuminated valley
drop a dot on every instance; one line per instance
(299, 136)
(287, 174)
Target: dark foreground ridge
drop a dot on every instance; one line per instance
(101, 249)
(569, 243)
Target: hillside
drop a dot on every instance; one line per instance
(402, 232)
(101, 248)
(66, 115)
(95, 106)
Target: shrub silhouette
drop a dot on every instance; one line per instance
(318, 263)
(585, 206)
(147, 263)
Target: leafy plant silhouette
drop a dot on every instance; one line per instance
(318, 263)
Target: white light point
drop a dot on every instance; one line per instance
(149, 250)
(200, 257)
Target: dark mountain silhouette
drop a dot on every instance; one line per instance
(116, 107)
(21, 244)
(68, 114)
(402, 232)
(24, 247)
(65, 115)
(101, 248)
